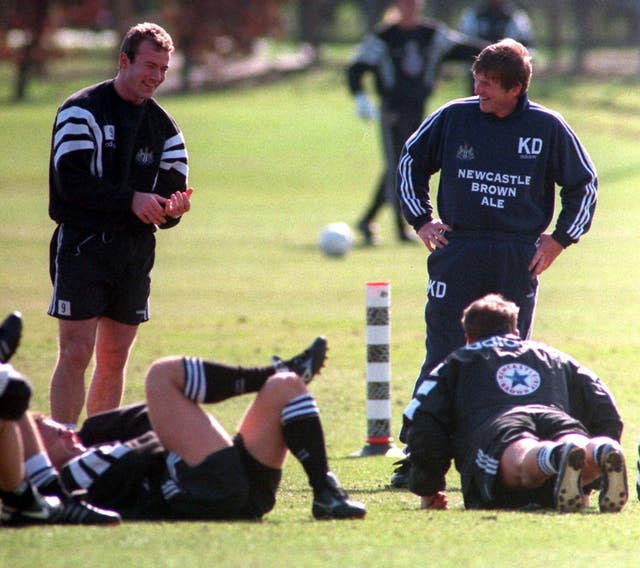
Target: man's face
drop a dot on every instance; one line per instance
(60, 442)
(494, 98)
(409, 8)
(138, 80)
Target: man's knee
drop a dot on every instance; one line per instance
(283, 386)
(163, 375)
(75, 356)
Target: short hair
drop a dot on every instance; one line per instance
(154, 33)
(506, 61)
(490, 315)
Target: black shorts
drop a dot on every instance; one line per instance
(229, 484)
(101, 274)
(481, 486)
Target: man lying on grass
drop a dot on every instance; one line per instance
(526, 425)
(169, 459)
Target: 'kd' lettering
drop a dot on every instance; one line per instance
(530, 146)
(437, 289)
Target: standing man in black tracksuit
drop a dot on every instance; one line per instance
(118, 170)
(404, 57)
(494, 20)
(500, 157)
(526, 424)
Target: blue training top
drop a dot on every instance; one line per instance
(499, 174)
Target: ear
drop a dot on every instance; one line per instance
(123, 60)
(516, 91)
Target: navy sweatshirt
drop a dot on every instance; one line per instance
(499, 174)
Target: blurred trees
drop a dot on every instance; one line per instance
(32, 23)
(32, 18)
(225, 29)
(199, 27)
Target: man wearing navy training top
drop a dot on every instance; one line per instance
(500, 158)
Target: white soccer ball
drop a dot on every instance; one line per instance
(336, 239)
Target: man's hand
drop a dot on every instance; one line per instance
(436, 501)
(149, 207)
(154, 209)
(548, 250)
(365, 108)
(178, 203)
(432, 234)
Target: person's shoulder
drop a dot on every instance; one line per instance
(544, 112)
(427, 28)
(159, 112)
(431, 24)
(537, 107)
(87, 95)
(384, 29)
(454, 110)
(461, 105)
(546, 352)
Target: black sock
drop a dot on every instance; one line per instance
(207, 381)
(304, 436)
(22, 498)
(54, 487)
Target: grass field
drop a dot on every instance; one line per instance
(242, 278)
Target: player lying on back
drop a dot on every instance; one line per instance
(526, 425)
(169, 459)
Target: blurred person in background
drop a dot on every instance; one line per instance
(403, 53)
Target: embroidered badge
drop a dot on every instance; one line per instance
(144, 157)
(466, 152)
(517, 379)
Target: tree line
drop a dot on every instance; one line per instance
(227, 28)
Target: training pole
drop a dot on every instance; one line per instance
(379, 439)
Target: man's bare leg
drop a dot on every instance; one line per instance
(75, 347)
(112, 347)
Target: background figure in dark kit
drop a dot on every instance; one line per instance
(493, 20)
(404, 55)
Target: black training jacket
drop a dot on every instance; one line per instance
(480, 381)
(102, 150)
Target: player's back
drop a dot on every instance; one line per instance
(495, 374)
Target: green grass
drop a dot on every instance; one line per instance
(241, 278)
